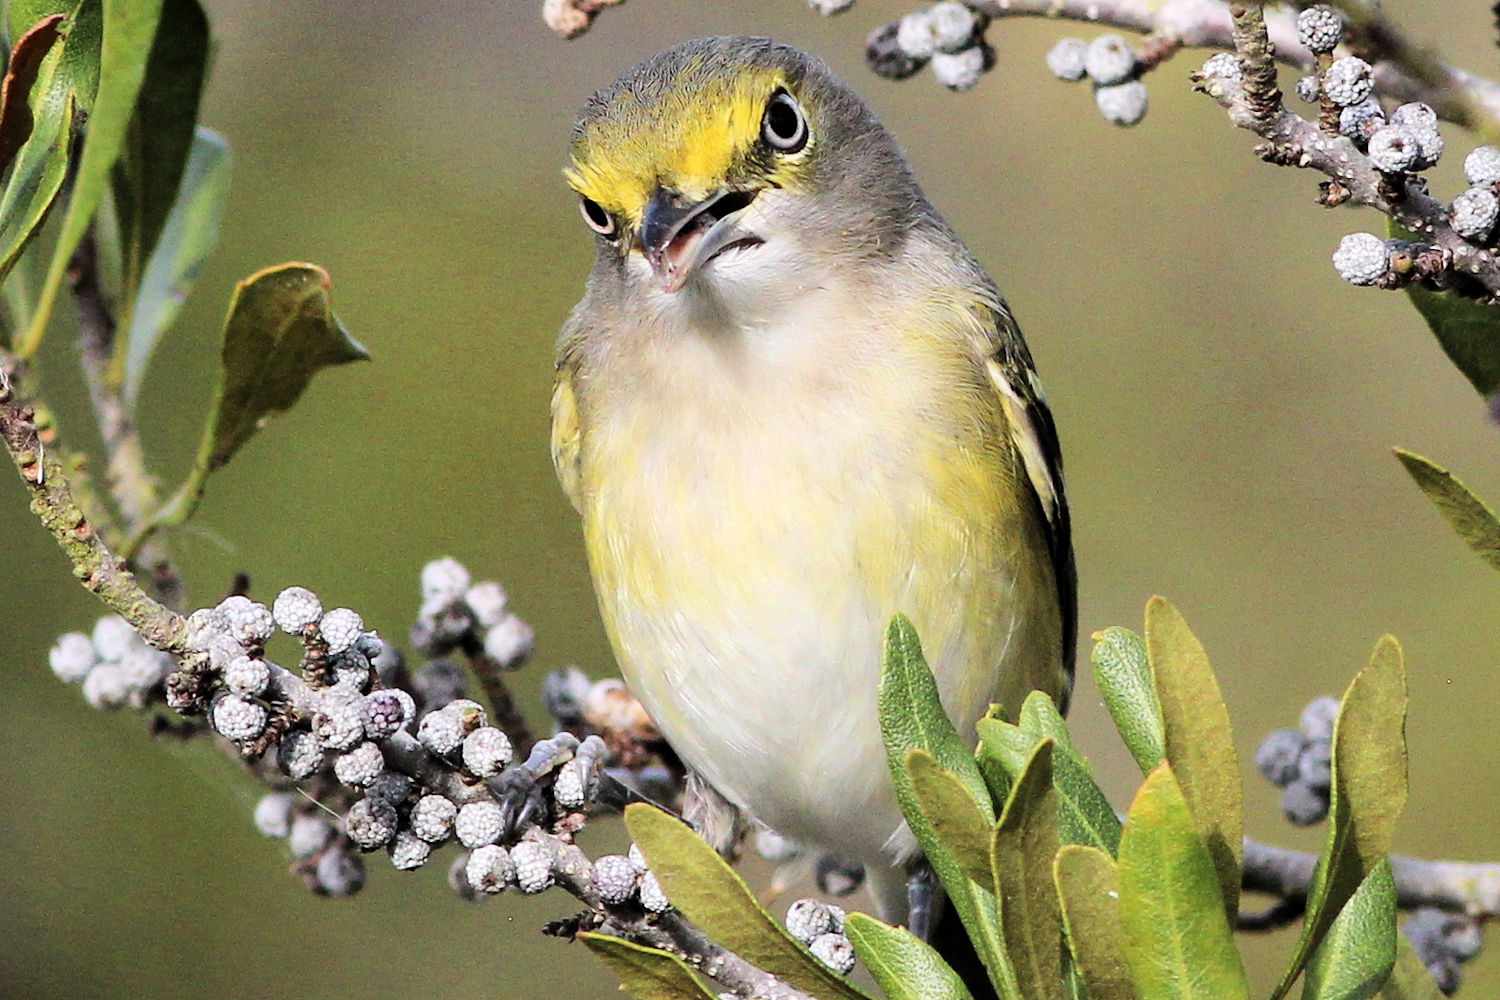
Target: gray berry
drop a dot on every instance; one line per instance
(273, 814)
(295, 608)
(339, 722)
(386, 711)
(238, 718)
(1109, 60)
(71, 657)
(1482, 166)
(533, 863)
(884, 55)
(341, 628)
(1304, 805)
(961, 70)
(1349, 80)
(299, 755)
(340, 873)
(1318, 717)
(1315, 766)
(391, 786)
(1395, 149)
(1362, 259)
(834, 951)
(1474, 213)
(614, 878)
(371, 823)
(360, 766)
(1320, 28)
(408, 851)
(1358, 121)
(1124, 104)
(1066, 59)
(1308, 88)
(808, 919)
(432, 818)
(478, 824)
(1277, 756)
(490, 869)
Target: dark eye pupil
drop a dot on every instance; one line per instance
(782, 119)
(597, 216)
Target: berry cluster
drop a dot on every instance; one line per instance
(1114, 69)
(949, 36)
(458, 614)
(1443, 941)
(820, 926)
(112, 665)
(1300, 762)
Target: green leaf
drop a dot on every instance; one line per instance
(1178, 942)
(1084, 814)
(191, 231)
(1040, 718)
(1357, 955)
(150, 179)
(1122, 673)
(78, 68)
(955, 818)
(1410, 979)
(912, 718)
(21, 71)
(1468, 515)
(35, 180)
(903, 965)
(912, 714)
(1368, 794)
(1200, 744)
(129, 26)
(1089, 888)
(711, 895)
(647, 973)
(281, 331)
(1469, 333)
(1021, 853)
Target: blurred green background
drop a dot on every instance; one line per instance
(1227, 409)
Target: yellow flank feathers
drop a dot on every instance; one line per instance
(691, 140)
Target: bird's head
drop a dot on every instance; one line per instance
(735, 166)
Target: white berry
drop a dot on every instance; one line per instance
(1348, 81)
(1124, 104)
(250, 624)
(359, 766)
(1109, 60)
(408, 851)
(652, 897)
(1361, 259)
(1482, 166)
(339, 722)
(509, 642)
(308, 836)
(247, 675)
(386, 711)
(239, 718)
(71, 657)
(808, 919)
(834, 951)
(371, 823)
(959, 71)
(533, 866)
(341, 628)
(1320, 28)
(614, 878)
(299, 754)
(273, 814)
(1474, 213)
(478, 823)
(295, 608)
(113, 637)
(432, 818)
(487, 601)
(486, 751)
(444, 580)
(953, 25)
(490, 869)
(1066, 59)
(1394, 149)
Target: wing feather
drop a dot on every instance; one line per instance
(1034, 436)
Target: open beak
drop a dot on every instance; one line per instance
(678, 238)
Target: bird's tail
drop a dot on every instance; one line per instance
(952, 942)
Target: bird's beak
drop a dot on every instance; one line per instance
(678, 237)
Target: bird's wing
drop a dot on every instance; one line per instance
(1034, 436)
(565, 435)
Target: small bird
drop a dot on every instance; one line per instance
(790, 405)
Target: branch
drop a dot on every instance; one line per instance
(52, 501)
(130, 485)
(1470, 888)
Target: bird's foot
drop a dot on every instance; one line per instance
(920, 892)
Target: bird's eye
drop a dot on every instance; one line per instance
(598, 219)
(784, 127)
